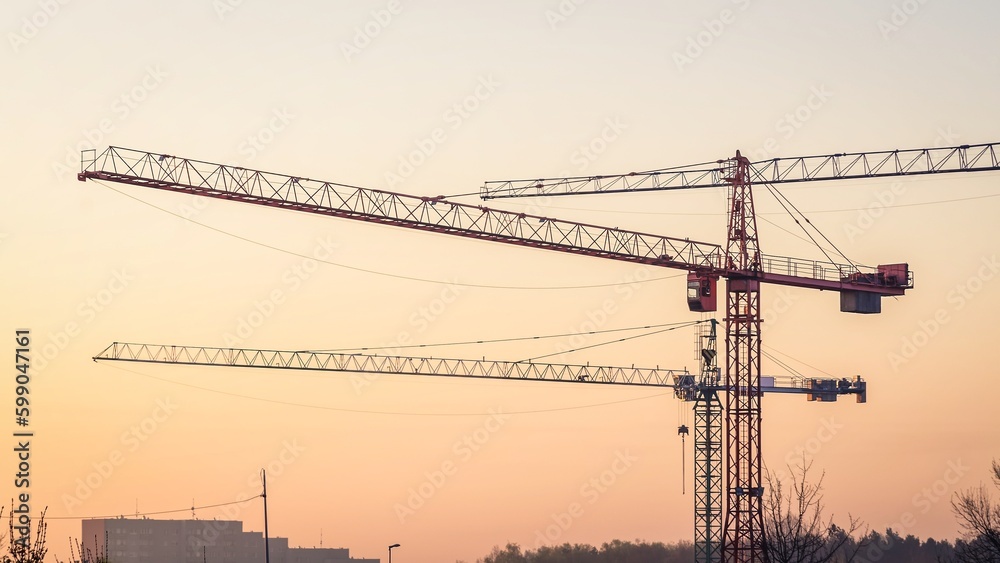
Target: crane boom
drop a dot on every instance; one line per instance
(399, 365)
(842, 166)
(679, 379)
(435, 214)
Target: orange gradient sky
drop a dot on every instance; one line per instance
(347, 92)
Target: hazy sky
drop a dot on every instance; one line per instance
(347, 91)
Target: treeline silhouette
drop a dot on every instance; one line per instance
(616, 551)
(885, 547)
(892, 547)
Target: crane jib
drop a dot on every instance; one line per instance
(839, 166)
(683, 382)
(159, 171)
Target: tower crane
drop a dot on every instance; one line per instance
(742, 263)
(703, 390)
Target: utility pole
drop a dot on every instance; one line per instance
(267, 548)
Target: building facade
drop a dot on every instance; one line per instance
(144, 540)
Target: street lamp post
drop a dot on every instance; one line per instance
(390, 551)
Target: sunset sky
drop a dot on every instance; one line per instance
(435, 98)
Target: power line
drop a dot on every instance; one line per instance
(157, 513)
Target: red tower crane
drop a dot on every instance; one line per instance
(742, 263)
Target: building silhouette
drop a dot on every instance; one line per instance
(144, 540)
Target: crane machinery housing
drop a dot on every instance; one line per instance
(741, 261)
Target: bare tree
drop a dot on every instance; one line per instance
(795, 527)
(78, 553)
(26, 551)
(979, 516)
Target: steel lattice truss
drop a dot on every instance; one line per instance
(708, 447)
(744, 523)
(400, 365)
(430, 214)
(874, 164)
(708, 478)
(184, 175)
(415, 365)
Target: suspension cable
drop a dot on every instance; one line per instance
(496, 340)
